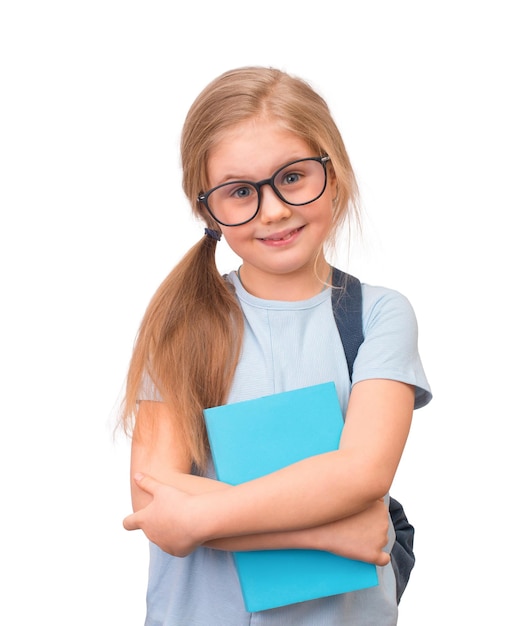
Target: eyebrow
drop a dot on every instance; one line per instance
(233, 178)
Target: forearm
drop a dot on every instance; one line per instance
(265, 541)
(362, 537)
(198, 485)
(254, 515)
(322, 488)
(288, 500)
(350, 537)
(168, 520)
(188, 511)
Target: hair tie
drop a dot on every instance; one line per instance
(214, 234)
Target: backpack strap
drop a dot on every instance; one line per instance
(347, 305)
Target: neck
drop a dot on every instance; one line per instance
(289, 287)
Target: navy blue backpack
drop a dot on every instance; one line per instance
(347, 307)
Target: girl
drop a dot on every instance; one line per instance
(265, 166)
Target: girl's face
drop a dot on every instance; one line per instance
(282, 241)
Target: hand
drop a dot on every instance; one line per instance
(361, 537)
(166, 520)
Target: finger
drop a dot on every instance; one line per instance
(131, 522)
(145, 482)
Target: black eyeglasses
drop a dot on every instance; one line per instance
(297, 183)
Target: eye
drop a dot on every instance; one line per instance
(241, 192)
(291, 178)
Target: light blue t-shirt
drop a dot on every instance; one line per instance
(288, 345)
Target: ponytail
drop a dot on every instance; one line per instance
(188, 345)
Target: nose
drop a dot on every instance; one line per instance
(272, 208)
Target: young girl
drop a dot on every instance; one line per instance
(265, 167)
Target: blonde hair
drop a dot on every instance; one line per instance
(190, 338)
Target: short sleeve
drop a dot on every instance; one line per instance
(390, 346)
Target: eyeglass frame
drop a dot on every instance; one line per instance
(203, 197)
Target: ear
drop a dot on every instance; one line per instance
(332, 181)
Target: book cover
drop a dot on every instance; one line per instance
(256, 437)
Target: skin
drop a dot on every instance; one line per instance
(331, 501)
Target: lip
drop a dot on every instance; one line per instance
(283, 237)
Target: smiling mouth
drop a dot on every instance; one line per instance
(285, 237)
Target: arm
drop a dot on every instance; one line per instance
(156, 449)
(362, 536)
(346, 482)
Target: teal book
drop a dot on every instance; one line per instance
(256, 437)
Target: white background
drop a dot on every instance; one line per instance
(429, 98)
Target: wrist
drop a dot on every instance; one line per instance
(202, 522)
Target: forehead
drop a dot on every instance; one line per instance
(254, 149)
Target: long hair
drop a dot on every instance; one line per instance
(189, 342)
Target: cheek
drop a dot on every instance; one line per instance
(235, 237)
(325, 211)
(325, 218)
